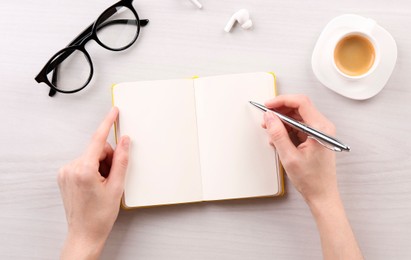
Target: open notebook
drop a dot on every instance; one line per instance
(197, 139)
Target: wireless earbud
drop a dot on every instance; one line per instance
(197, 3)
(242, 17)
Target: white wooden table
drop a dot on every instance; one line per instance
(39, 134)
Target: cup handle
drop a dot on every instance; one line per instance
(369, 26)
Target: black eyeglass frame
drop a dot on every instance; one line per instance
(78, 44)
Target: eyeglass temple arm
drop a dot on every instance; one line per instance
(143, 22)
(83, 35)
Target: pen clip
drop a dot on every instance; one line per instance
(329, 147)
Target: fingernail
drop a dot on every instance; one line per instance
(126, 142)
(114, 110)
(268, 116)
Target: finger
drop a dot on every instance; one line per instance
(279, 137)
(302, 137)
(119, 165)
(263, 125)
(107, 153)
(98, 142)
(301, 103)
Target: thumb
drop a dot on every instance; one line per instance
(119, 164)
(279, 136)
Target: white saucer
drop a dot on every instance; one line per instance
(326, 73)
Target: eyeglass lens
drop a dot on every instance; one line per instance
(73, 72)
(119, 30)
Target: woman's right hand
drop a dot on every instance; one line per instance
(310, 166)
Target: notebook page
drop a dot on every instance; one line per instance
(235, 156)
(159, 117)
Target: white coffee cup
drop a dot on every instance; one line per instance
(356, 53)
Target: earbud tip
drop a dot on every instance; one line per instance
(247, 25)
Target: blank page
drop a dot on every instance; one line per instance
(235, 156)
(159, 117)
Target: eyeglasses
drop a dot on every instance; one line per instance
(70, 70)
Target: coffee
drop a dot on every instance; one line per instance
(354, 55)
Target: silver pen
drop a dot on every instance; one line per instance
(322, 138)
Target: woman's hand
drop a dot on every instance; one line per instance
(310, 167)
(312, 170)
(91, 187)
